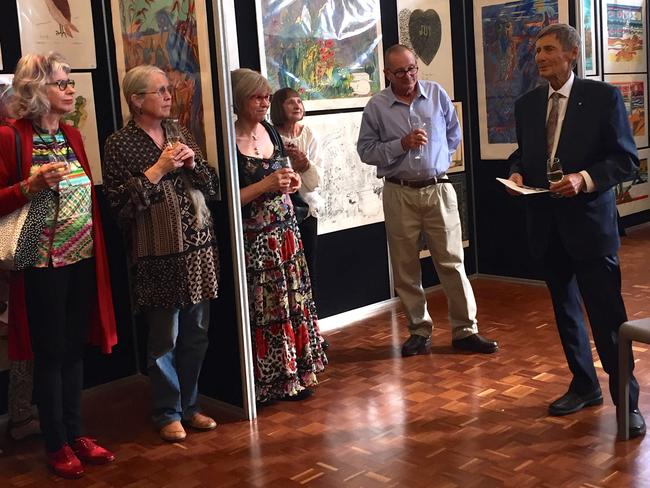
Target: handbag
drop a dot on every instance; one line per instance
(18, 241)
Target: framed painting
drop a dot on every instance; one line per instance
(504, 36)
(587, 12)
(458, 158)
(633, 195)
(634, 89)
(328, 51)
(351, 189)
(425, 27)
(63, 26)
(624, 36)
(83, 117)
(166, 33)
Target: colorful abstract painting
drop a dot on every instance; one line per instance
(505, 64)
(166, 33)
(425, 27)
(329, 51)
(624, 29)
(633, 195)
(635, 97)
(589, 39)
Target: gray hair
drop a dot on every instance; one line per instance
(136, 81)
(567, 36)
(245, 84)
(396, 49)
(33, 71)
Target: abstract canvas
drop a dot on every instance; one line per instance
(633, 195)
(458, 158)
(65, 26)
(351, 189)
(624, 38)
(166, 33)
(505, 64)
(635, 96)
(83, 118)
(425, 27)
(327, 50)
(589, 37)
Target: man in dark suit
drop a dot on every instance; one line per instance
(573, 229)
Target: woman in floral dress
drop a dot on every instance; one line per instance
(286, 339)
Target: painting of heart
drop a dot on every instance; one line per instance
(425, 32)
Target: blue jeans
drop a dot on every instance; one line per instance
(178, 339)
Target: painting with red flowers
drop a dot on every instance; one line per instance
(328, 51)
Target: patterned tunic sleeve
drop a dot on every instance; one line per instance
(128, 190)
(204, 177)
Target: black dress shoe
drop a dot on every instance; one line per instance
(416, 344)
(571, 402)
(637, 424)
(476, 343)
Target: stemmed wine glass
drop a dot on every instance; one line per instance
(285, 162)
(172, 132)
(417, 123)
(554, 173)
(55, 157)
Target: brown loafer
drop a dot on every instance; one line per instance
(201, 422)
(173, 432)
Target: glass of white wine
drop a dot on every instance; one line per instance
(554, 173)
(172, 132)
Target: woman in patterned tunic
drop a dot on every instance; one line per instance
(158, 188)
(287, 344)
(65, 286)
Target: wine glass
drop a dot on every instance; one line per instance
(554, 173)
(56, 157)
(172, 132)
(417, 123)
(285, 162)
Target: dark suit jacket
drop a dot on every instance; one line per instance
(595, 137)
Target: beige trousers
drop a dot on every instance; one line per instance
(432, 211)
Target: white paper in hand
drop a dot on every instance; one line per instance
(524, 190)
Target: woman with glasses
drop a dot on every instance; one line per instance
(63, 295)
(287, 344)
(157, 182)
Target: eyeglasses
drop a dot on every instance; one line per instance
(261, 98)
(62, 84)
(401, 73)
(160, 91)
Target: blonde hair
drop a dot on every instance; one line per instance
(245, 84)
(33, 71)
(136, 81)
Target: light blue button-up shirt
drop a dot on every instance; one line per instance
(386, 120)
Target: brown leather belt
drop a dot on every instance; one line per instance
(419, 183)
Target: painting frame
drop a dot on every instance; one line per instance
(504, 111)
(75, 40)
(365, 80)
(209, 139)
(457, 164)
(441, 66)
(624, 46)
(589, 15)
(351, 191)
(630, 93)
(633, 195)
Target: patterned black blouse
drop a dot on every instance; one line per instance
(175, 259)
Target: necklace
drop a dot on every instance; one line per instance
(54, 147)
(252, 138)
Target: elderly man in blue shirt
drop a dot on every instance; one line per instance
(409, 132)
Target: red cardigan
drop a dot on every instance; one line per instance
(102, 330)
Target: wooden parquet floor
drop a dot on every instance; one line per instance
(378, 420)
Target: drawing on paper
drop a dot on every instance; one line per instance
(351, 189)
(633, 195)
(61, 14)
(633, 90)
(458, 158)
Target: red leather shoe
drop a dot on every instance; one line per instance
(65, 463)
(89, 452)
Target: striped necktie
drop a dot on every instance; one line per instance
(551, 123)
